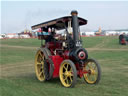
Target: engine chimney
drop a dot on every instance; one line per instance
(75, 26)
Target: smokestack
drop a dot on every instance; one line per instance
(75, 26)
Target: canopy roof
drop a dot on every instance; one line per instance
(58, 23)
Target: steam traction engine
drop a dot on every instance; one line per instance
(62, 55)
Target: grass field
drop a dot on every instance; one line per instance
(17, 76)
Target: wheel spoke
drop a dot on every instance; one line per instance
(42, 62)
(93, 78)
(71, 73)
(67, 81)
(65, 68)
(40, 73)
(41, 55)
(91, 63)
(65, 78)
(38, 59)
(89, 66)
(70, 78)
(64, 74)
(70, 70)
(95, 73)
(38, 63)
(42, 67)
(90, 77)
(95, 67)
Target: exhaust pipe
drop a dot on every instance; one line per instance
(75, 26)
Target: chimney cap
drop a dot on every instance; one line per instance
(74, 12)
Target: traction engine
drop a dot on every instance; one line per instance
(62, 55)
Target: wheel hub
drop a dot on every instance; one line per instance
(68, 74)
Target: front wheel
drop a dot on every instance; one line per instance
(93, 70)
(68, 73)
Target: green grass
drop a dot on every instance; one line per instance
(18, 75)
(21, 42)
(102, 42)
(14, 55)
(114, 55)
(91, 41)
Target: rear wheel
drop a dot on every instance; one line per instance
(68, 73)
(43, 64)
(93, 74)
(40, 65)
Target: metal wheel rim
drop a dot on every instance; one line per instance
(66, 74)
(39, 65)
(92, 74)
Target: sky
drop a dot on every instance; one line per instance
(18, 15)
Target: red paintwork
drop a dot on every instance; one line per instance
(59, 55)
(57, 61)
(53, 45)
(66, 54)
(81, 73)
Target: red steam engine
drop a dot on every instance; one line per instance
(61, 53)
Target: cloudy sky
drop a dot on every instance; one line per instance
(18, 15)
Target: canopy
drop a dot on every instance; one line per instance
(58, 23)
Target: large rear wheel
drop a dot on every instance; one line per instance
(40, 65)
(68, 73)
(93, 70)
(44, 66)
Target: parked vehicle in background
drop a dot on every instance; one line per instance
(123, 39)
